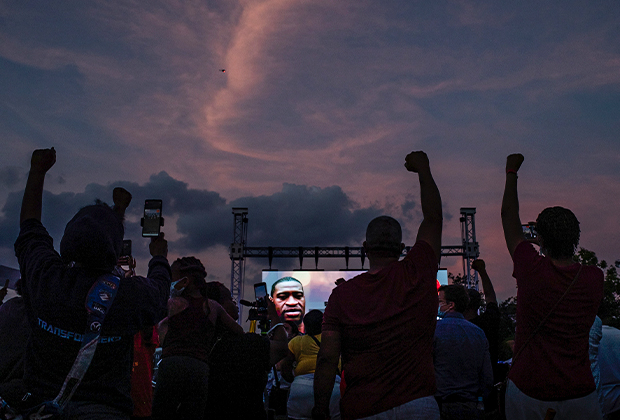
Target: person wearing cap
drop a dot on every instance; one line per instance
(557, 302)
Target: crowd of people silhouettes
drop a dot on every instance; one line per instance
(79, 340)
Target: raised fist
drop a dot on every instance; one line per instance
(121, 198)
(159, 246)
(478, 265)
(43, 159)
(415, 161)
(514, 161)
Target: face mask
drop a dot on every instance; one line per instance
(440, 313)
(174, 292)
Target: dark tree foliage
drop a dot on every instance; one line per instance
(508, 309)
(457, 279)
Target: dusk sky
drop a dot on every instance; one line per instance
(310, 123)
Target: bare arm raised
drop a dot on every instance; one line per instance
(511, 222)
(431, 226)
(159, 246)
(489, 292)
(32, 203)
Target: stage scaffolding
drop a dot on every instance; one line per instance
(239, 251)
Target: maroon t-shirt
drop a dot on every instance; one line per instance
(386, 323)
(554, 365)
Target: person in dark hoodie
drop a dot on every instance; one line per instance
(14, 335)
(55, 288)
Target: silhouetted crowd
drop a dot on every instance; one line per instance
(86, 338)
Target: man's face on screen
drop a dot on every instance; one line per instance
(288, 296)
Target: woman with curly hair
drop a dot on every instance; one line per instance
(557, 301)
(183, 373)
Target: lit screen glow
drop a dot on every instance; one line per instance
(318, 285)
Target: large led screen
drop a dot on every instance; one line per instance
(318, 285)
(442, 277)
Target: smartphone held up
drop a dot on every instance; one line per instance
(529, 231)
(125, 259)
(152, 220)
(260, 293)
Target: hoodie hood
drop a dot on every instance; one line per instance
(93, 238)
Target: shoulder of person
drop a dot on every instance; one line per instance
(526, 249)
(594, 271)
(297, 339)
(140, 284)
(474, 328)
(422, 254)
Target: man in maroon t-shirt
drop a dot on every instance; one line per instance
(382, 322)
(551, 368)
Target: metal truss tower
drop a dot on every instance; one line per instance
(468, 250)
(470, 246)
(240, 235)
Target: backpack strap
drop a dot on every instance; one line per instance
(547, 317)
(98, 302)
(318, 343)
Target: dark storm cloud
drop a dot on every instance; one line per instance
(9, 222)
(296, 216)
(306, 216)
(315, 93)
(57, 211)
(412, 215)
(11, 176)
(199, 214)
(408, 207)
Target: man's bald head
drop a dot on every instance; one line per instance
(384, 236)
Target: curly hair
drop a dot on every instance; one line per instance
(189, 265)
(559, 230)
(192, 267)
